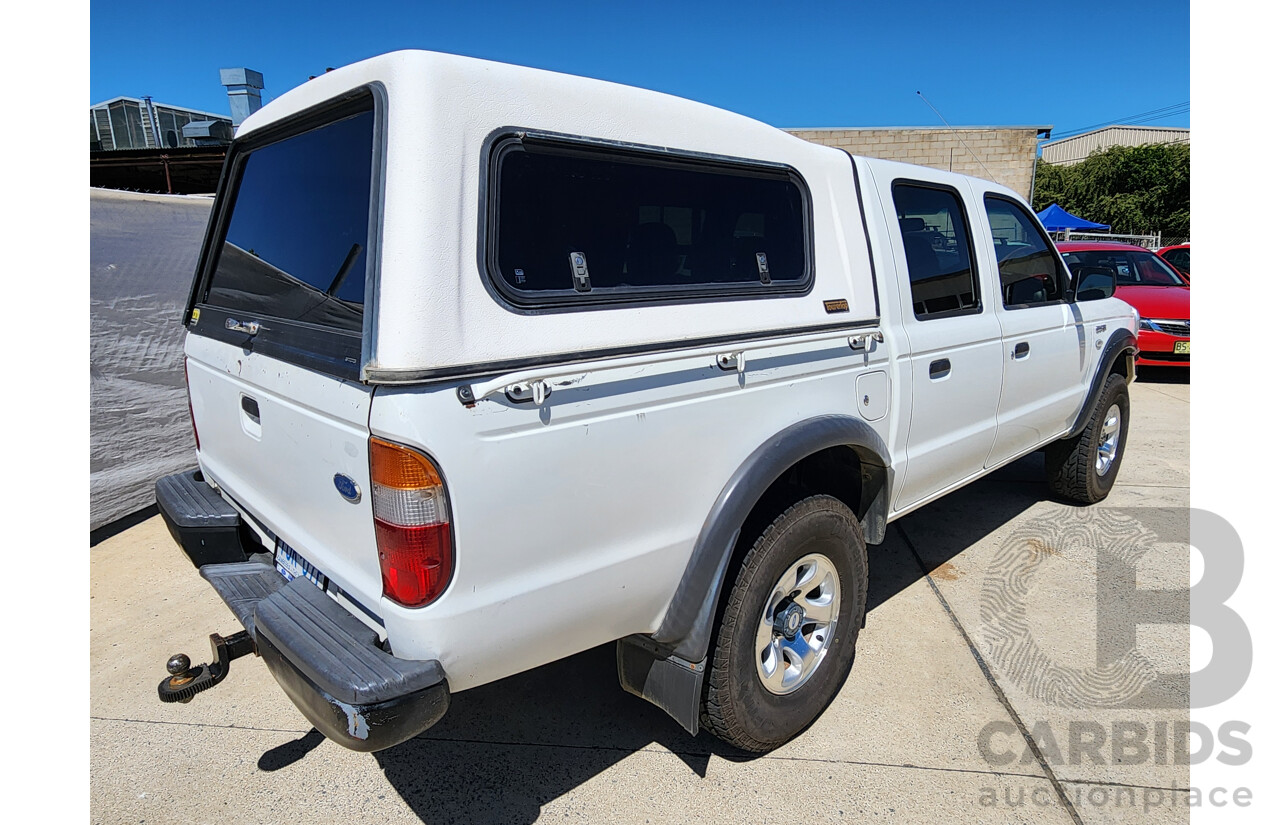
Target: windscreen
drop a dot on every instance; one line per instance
(1136, 268)
(296, 244)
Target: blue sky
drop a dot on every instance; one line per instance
(792, 64)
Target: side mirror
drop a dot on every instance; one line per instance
(1093, 283)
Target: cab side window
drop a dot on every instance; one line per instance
(1181, 258)
(1030, 270)
(939, 250)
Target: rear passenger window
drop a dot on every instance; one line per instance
(1030, 270)
(573, 222)
(935, 236)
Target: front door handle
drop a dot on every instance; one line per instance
(1021, 350)
(940, 368)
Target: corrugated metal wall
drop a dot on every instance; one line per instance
(124, 123)
(1075, 149)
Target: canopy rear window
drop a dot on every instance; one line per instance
(296, 244)
(575, 223)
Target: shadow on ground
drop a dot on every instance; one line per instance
(942, 530)
(506, 749)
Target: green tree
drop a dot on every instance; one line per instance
(1136, 189)
(1051, 186)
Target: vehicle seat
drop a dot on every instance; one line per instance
(922, 261)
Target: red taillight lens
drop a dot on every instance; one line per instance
(186, 382)
(417, 562)
(411, 523)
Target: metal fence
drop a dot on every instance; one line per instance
(1155, 241)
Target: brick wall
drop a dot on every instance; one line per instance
(1009, 154)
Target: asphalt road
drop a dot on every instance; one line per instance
(983, 632)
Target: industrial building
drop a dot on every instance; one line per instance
(1004, 154)
(135, 143)
(139, 123)
(1071, 150)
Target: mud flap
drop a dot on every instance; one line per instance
(671, 683)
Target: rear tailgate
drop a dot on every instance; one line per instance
(277, 325)
(280, 465)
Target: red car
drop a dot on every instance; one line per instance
(1179, 257)
(1159, 292)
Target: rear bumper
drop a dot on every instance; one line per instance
(203, 524)
(332, 668)
(328, 662)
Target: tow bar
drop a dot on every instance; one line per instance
(185, 681)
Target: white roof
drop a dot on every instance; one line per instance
(433, 310)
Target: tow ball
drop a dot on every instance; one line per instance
(185, 681)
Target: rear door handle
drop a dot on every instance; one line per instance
(940, 368)
(1021, 350)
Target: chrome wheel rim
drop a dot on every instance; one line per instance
(798, 624)
(1109, 443)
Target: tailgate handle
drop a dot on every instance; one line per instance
(250, 407)
(251, 327)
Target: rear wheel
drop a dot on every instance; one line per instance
(786, 639)
(1083, 469)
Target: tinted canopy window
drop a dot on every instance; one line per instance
(1030, 272)
(577, 224)
(935, 237)
(295, 247)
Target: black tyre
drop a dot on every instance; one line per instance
(786, 637)
(1083, 469)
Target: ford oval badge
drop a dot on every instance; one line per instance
(347, 487)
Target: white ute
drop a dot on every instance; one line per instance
(491, 365)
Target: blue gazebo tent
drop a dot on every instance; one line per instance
(1057, 219)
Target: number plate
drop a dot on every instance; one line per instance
(1182, 347)
(292, 566)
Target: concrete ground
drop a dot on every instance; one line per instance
(982, 633)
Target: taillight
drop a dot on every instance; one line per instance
(411, 522)
(186, 382)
